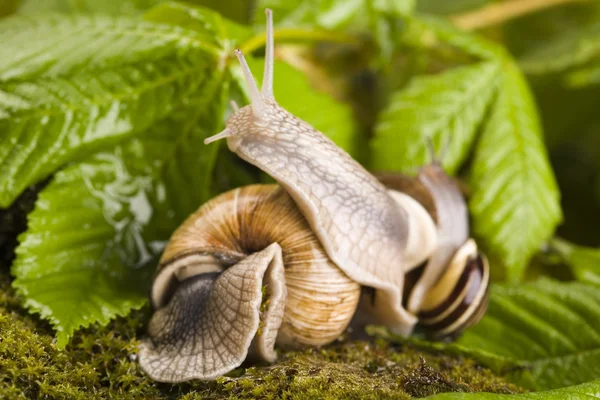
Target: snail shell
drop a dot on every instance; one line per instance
(256, 228)
(460, 298)
(456, 294)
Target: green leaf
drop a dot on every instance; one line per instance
(115, 7)
(448, 7)
(379, 18)
(549, 331)
(74, 265)
(585, 391)
(584, 261)
(57, 45)
(448, 108)
(329, 14)
(570, 50)
(294, 93)
(428, 31)
(89, 252)
(225, 33)
(515, 201)
(585, 76)
(186, 171)
(540, 335)
(534, 31)
(239, 11)
(53, 111)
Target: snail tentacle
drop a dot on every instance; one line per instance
(267, 84)
(257, 102)
(225, 133)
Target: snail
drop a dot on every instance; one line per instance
(458, 298)
(286, 264)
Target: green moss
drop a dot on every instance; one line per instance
(264, 306)
(100, 363)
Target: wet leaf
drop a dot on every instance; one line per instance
(61, 100)
(74, 265)
(93, 238)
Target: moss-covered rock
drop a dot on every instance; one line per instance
(101, 363)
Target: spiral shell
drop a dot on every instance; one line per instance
(224, 232)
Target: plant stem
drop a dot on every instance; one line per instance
(296, 34)
(498, 13)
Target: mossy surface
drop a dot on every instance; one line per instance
(100, 363)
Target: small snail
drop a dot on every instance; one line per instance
(286, 264)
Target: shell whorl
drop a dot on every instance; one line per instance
(457, 296)
(321, 299)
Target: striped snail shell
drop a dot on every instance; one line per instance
(460, 298)
(457, 275)
(284, 264)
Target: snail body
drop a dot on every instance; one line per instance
(287, 264)
(359, 225)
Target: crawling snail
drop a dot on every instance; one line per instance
(287, 264)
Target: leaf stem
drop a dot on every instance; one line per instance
(498, 13)
(296, 34)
